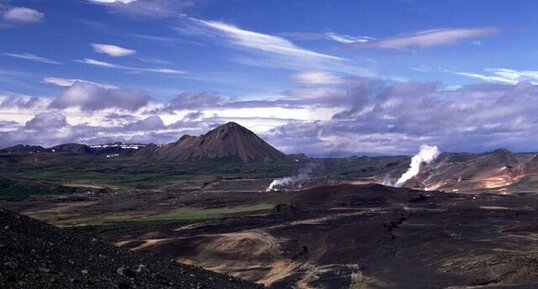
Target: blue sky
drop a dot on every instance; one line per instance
(320, 77)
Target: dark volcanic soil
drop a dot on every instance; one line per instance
(328, 237)
(36, 255)
(368, 236)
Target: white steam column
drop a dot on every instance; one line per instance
(293, 182)
(427, 154)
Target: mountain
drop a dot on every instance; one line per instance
(499, 169)
(100, 149)
(38, 255)
(73, 148)
(230, 141)
(23, 149)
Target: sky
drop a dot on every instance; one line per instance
(325, 78)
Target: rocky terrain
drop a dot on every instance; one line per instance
(36, 255)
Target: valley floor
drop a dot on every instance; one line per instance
(341, 236)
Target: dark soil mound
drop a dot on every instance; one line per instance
(353, 195)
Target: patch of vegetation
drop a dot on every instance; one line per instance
(14, 189)
(116, 225)
(131, 173)
(207, 214)
(109, 230)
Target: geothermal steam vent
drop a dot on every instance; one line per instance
(427, 154)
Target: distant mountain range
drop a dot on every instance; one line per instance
(229, 141)
(76, 149)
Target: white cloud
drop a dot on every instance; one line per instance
(269, 50)
(90, 97)
(147, 8)
(21, 102)
(99, 63)
(429, 38)
(112, 50)
(130, 68)
(489, 78)
(504, 75)
(347, 39)
(161, 70)
(315, 78)
(264, 42)
(22, 15)
(372, 117)
(32, 57)
(66, 82)
(46, 120)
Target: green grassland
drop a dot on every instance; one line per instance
(118, 224)
(50, 174)
(120, 174)
(181, 215)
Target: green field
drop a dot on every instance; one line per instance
(47, 174)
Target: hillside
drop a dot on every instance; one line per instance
(37, 255)
(499, 169)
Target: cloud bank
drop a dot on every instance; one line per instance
(91, 97)
(351, 116)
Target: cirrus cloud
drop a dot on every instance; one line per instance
(112, 50)
(129, 68)
(315, 78)
(268, 50)
(32, 57)
(503, 75)
(428, 38)
(67, 82)
(147, 8)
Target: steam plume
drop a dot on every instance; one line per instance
(386, 180)
(293, 182)
(427, 154)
